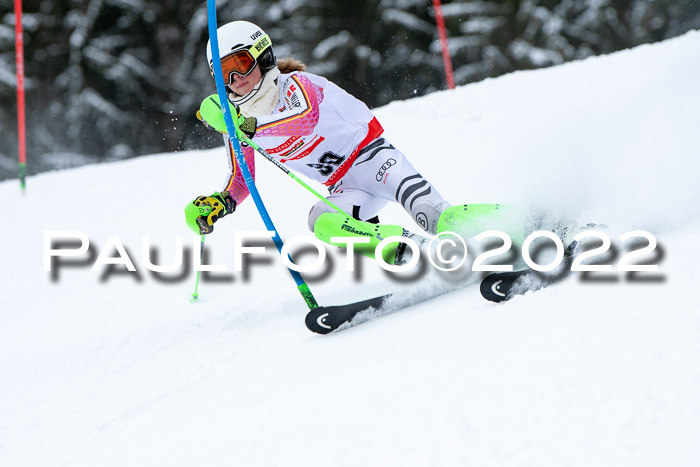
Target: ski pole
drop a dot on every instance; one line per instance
(238, 153)
(195, 295)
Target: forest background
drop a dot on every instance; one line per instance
(112, 79)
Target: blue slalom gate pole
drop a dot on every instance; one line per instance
(238, 153)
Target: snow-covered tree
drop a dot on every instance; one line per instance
(110, 79)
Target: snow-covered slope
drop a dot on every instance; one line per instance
(114, 369)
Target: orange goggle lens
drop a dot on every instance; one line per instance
(240, 62)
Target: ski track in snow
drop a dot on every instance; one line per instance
(123, 370)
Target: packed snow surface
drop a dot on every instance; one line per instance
(115, 368)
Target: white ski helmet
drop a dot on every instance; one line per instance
(239, 36)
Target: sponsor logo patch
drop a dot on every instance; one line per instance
(284, 146)
(385, 166)
(422, 220)
(262, 44)
(355, 231)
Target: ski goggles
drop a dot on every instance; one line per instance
(243, 61)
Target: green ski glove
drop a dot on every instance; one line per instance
(212, 117)
(201, 213)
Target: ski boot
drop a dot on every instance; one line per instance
(335, 224)
(469, 220)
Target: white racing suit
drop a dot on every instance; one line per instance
(323, 132)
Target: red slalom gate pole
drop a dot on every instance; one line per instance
(21, 129)
(437, 7)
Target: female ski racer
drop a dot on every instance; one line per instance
(315, 128)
